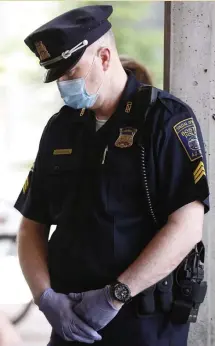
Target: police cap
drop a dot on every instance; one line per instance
(60, 43)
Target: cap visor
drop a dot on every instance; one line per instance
(56, 72)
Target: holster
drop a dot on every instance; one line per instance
(156, 298)
(185, 309)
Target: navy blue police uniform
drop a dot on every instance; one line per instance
(90, 185)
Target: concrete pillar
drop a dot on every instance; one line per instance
(190, 75)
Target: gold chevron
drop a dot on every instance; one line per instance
(199, 177)
(25, 187)
(201, 164)
(199, 172)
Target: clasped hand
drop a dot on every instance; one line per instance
(95, 307)
(58, 308)
(78, 316)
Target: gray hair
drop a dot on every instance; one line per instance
(107, 40)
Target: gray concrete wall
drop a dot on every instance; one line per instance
(192, 78)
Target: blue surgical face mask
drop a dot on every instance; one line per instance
(74, 92)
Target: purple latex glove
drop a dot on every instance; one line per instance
(95, 308)
(58, 308)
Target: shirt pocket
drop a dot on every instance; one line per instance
(61, 178)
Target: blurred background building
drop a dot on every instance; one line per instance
(26, 104)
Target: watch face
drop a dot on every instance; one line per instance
(121, 292)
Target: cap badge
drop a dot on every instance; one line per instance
(42, 50)
(126, 137)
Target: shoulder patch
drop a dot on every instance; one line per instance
(187, 135)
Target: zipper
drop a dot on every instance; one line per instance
(145, 181)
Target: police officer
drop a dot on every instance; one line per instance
(105, 274)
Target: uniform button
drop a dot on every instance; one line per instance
(165, 283)
(56, 168)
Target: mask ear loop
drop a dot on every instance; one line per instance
(96, 54)
(87, 72)
(90, 68)
(90, 71)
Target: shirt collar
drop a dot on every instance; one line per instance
(130, 88)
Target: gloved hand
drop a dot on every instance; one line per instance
(96, 307)
(58, 308)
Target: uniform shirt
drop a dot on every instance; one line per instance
(100, 123)
(89, 183)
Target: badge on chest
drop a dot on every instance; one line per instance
(126, 137)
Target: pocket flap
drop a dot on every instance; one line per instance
(60, 163)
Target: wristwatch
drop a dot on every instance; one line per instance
(120, 292)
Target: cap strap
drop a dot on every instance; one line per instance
(66, 54)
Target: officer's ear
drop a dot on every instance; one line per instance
(104, 54)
